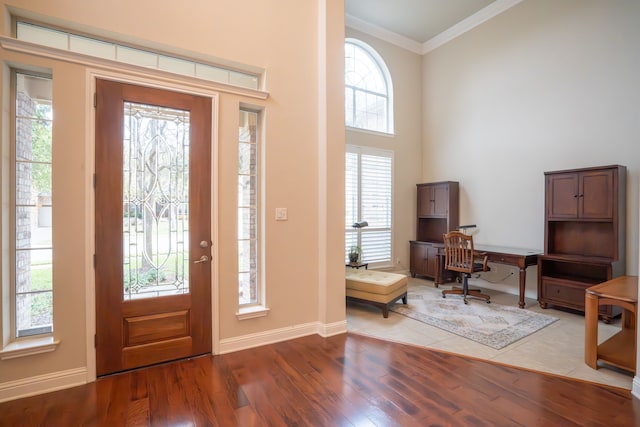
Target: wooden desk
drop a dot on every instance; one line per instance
(620, 349)
(518, 257)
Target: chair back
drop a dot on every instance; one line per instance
(458, 252)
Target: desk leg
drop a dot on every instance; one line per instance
(591, 330)
(523, 278)
(439, 267)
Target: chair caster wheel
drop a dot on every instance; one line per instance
(488, 302)
(466, 302)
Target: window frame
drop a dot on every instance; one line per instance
(13, 347)
(386, 77)
(41, 330)
(256, 307)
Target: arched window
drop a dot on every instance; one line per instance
(368, 89)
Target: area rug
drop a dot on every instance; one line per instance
(493, 325)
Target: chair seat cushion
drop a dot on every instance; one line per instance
(375, 282)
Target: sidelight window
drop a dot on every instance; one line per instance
(248, 197)
(32, 206)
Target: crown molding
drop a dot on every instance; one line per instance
(383, 34)
(467, 24)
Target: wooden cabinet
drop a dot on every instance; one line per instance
(434, 200)
(437, 214)
(424, 259)
(565, 279)
(584, 235)
(581, 195)
(437, 210)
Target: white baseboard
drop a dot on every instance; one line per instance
(635, 388)
(42, 384)
(282, 334)
(331, 329)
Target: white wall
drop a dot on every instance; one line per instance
(547, 85)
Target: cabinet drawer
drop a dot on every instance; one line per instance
(571, 295)
(502, 258)
(562, 293)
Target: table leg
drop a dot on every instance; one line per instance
(523, 278)
(591, 330)
(439, 268)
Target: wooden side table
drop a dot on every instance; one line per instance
(357, 265)
(620, 349)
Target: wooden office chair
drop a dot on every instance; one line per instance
(460, 257)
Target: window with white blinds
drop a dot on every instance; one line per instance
(369, 197)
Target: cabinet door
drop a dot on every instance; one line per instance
(425, 196)
(432, 261)
(595, 200)
(562, 196)
(440, 200)
(418, 257)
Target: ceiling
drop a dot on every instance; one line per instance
(419, 24)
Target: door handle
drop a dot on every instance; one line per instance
(202, 259)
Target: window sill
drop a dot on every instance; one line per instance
(28, 347)
(371, 132)
(252, 312)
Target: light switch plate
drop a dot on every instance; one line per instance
(281, 214)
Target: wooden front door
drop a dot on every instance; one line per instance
(153, 227)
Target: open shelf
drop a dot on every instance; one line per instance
(587, 239)
(431, 229)
(619, 350)
(574, 270)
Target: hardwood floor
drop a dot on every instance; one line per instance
(344, 380)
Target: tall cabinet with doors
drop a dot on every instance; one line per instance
(437, 214)
(584, 235)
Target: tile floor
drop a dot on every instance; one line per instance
(556, 349)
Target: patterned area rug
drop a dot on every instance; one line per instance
(493, 325)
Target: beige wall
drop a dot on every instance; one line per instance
(547, 85)
(404, 67)
(299, 44)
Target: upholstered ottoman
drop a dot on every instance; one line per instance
(378, 288)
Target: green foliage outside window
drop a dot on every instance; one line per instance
(41, 149)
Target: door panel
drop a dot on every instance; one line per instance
(596, 198)
(441, 200)
(562, 193)
(153, 233)
(425, 207)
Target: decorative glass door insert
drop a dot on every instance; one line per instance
(155, 198)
